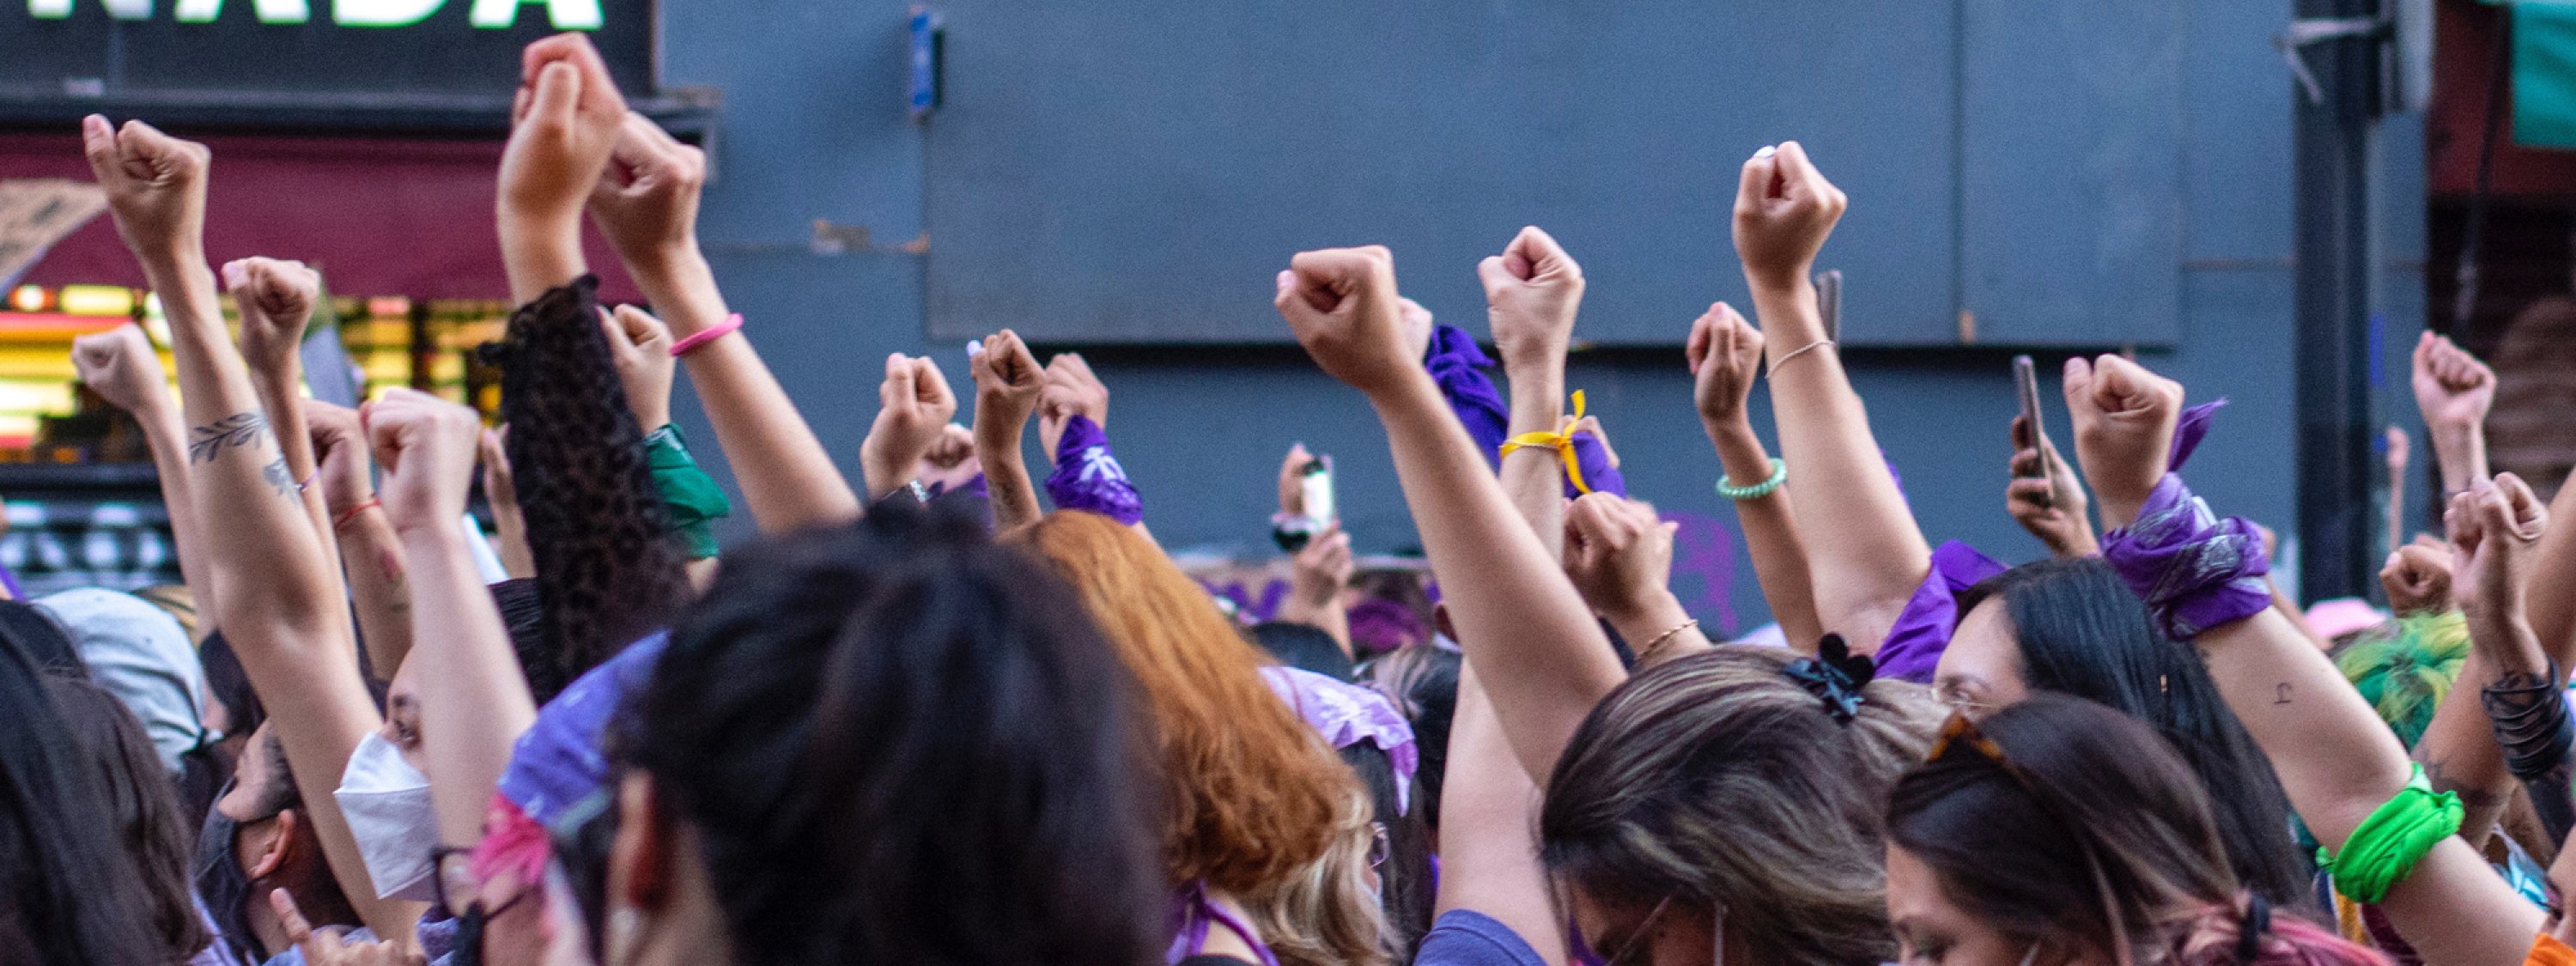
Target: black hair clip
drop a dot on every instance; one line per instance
(1836, 675)
(2249, 934)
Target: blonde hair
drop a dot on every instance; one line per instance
(1325, 915)
(1252, 794)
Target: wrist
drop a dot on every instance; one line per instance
(436, 535)
(1771, 285)
(1640, 620)
(1411, 388)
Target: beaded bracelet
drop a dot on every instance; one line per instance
(1779, 478)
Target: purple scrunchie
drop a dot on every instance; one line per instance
(1458, 367)
(1347, 714)
(2194, 570)
(1922, 630)
(1087, 476)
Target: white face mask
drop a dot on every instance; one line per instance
(386, 802)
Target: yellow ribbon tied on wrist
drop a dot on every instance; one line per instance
(1562, 441)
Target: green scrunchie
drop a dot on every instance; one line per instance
(2392, 840)
(689, 495)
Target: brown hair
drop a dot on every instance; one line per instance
(1715, 780)
(2089, 832)
(1254, 796)
(1324, 915)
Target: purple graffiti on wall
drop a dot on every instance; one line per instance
(1704, 547)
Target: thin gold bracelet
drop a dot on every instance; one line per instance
(1648, 655)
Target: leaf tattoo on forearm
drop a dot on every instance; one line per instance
(237, 431)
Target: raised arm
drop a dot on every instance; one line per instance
(1543, 657)
(914, 405)
(378, 585)
(501, 492)
(2046, 498)
(1532, 292)
(1867, 554)
(2454, 390)
(121, 366)
(279, 603)
(2494, 527)
(648, 206)
(276, 301)
(474, 699)
(2399, 445)
(1320, 571)
(2335, 758)
(1489, 830)
(1724, 353)
(1620, 557)
(1008, 383)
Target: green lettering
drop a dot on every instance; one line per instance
(383, 13)
(269, 11)
(120, 9)
(566, 14)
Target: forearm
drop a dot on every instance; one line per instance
(1545, 660)
(2462, 452)
(1327, 615)
(2552, 582)
(285, 407)
(1770, 528)
(1530, 475)
(1658, 631)
(511, 533)
(471, 686)
(754, 421)
(2335, 758)
(1006, 473)
(540, 253)
(165, 432)
(1869, 556)
(1488, 823)
(2460, 754)
(378, 588)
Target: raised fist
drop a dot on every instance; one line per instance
(1342, 304)
(1784, 211)
(639, 346)
(564, 123)
(2452, 387)
(427, 447)
(2494, 526)
(1532, 291)
(914, 405)
(2418, 578)
(276, 299)
(2124, 426)
(121, 366)
(1071, 390)
(1618, 552)
(339, 454)
(155, 183)
(1724, 352)
(1008, 382)
(646, 200)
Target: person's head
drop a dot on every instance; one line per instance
(1328, 914)
(68, 891)
(1712, 799)
(1304, 647)
(259, 838)
(885, 742)
(2061, 831)
(2405, 668)
(140, 654)
(141, 806)
(1253, 796)
(1422, 682)
(2072, 627)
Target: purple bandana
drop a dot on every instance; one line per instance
(562, 758)
(2189, 431)
(1922, 630)
(1087, 476)
(2194, 570)
(1347, 714)
(1459, 368)
(1597, 471)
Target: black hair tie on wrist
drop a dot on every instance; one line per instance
(1835, 675)
(2249, 935)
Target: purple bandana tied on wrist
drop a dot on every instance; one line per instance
(1087, 476)
(1597, 471)
(2194, 570)
(1458, 367)
(1347, 714)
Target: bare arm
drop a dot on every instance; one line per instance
(368, 551)
(648, 205)
(1489, 829)
(276, 300)
(1532, 292)
(1008, 383)
(2335, 758)
(279, 603)
(1544, 658)
(474, 697)
(1724, 351)
(1867, 554)
(2494, 527)
(1620, 557)
(2454, 390)
(121, 366)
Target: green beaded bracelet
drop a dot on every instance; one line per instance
(1779, 477)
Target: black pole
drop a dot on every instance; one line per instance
(2331, 146)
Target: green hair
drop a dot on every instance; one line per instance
(2405, 667)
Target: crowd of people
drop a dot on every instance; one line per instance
(932, 719)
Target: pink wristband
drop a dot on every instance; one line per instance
(731, 324)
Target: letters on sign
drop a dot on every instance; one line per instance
(486, 14)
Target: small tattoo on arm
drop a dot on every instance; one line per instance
(2281, 695)
(237, 431)
(279, 477)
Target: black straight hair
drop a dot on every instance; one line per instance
(143, 808)
(2081, 631)
(67, 893)
(899, 743)
(1304, 647)
(1421, 680)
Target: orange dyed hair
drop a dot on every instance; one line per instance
(1253, 794)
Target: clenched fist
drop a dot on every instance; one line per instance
(914, 405)
(2494, 527)
(2452, 387)
(2124, 427)
(2418, 578)
(1784, 211)
(1724, 352)
(1342, 304)
(156, 187)
(646, 201)
(564, 124)
(1619, 554)
(121, 366)
(1071, 390)
(1008, 383)
(1532, 291)
(427, 447)
(276, 299)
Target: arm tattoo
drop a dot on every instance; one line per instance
(237, 431)
(279, 477)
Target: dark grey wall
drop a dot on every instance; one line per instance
(814, 127)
